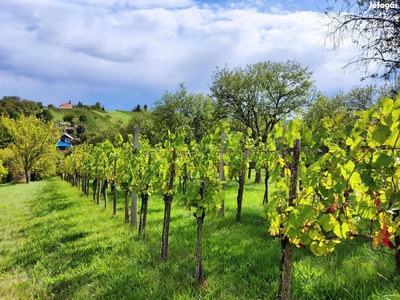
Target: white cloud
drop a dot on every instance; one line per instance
(133, 45)
(132, 3)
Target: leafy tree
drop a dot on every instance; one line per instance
(3, 111)
(5, 136)
(137, 108)
(325, 107)
(80, 104)
(51, 106)
(80, 129)
(145, 107)
(109, 134)
(181, 109)
(374, 31)
(357, 99)
(45, 115)
(13, 107)
(69, 117)
(10, 163)
(260, 95)
(145, 121)
(86, 136)
(83, 118)
(362, 98)
(33, 142)
(3, 171)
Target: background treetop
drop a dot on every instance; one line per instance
(260, 95)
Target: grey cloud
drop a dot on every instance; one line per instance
(68, 44)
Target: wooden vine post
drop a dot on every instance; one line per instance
(286, 261)
(134, 203)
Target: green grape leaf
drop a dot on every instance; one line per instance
(387, 105)
(366, 211)
(328, 222)
(341, 230)
(355, 180)
(305, 239)
(314, 234)
(318, 248)
(385, 160)
(381, 133)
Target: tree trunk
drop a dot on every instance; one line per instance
(114, 187)
(397, 254)
(88, 186)
(27, 177)
(242, 177)
(126, 206)
(98, 191)
(251, 166)
(165, 232)
(143, 215)
(134, 204)
(94, 189)
(222, 172)
(266, 184)
(258, 177)
(239, 199)
(285, 269)
(83, 183)
(199, 266)
(167, 210)
(105, 187)
(286, 261)
(115, 198)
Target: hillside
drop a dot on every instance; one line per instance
(95, 121)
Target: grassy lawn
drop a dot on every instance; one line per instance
(56, 244)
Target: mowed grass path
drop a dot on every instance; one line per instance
(56, 244)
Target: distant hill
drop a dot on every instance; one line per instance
(94, 120)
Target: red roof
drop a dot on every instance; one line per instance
(66, 105)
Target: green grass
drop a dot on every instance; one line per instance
(123, 116)
(56, 244)
(57, 115)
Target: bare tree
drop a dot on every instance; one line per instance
(374, 29)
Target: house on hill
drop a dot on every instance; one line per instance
(66, 105)
(64, 142)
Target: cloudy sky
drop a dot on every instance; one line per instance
(128, 52)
